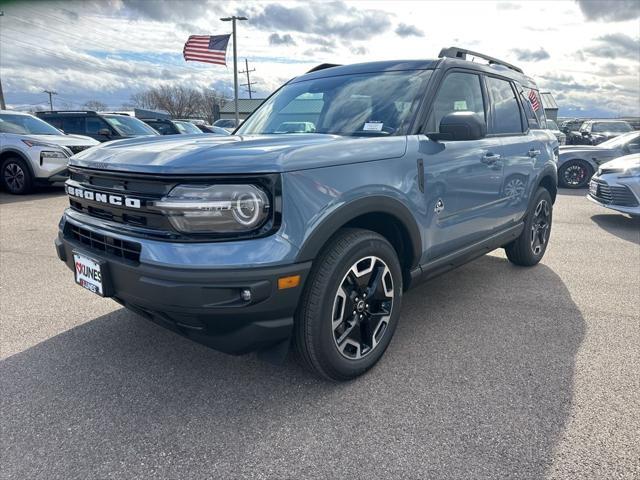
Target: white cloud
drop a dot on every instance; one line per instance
(107, 50)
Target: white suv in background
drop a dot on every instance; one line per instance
(33, 152)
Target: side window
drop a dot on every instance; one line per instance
(56, 122)
(94, 125)
(634, 145)
(459, 92)
(506, 113)
(73, 125)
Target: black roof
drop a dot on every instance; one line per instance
(452, 56)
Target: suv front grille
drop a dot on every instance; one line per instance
(614, 194)
(77, 148)
(104, 243)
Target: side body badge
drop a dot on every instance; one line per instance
(439, 206)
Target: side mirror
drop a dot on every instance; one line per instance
(585, 134)
(104, 131)
(461, 126)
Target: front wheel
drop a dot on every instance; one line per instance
(575, 174)
(351, 305)
(16, 177)
(528, 249)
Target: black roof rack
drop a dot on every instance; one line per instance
(322, 66)
(461, 53)
(90, 112)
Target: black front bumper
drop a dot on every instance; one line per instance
(203, 305)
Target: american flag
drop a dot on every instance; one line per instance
(533, 98)
(206, 48)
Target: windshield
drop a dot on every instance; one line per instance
(611, 127)
(620, 140)
(129, 126)
(26, 124)
(186, 127)
(380, 103)
(551, 125)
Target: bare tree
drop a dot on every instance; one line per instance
(180, 101)
(95, 105)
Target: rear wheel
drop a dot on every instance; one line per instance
(15, 176)
(529, 248)
(575, 174)
(351, 305)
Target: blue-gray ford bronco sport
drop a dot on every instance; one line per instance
(271, 238)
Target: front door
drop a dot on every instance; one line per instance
(462, 179)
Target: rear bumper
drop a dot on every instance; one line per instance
(204, 305)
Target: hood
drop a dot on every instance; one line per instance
(66, 140)
(208, 154)
(624, 163)
(607, 134)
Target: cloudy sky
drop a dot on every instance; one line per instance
(586, 52)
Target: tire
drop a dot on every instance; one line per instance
(343, 325)
(15, 176)
(529, 248)
(575, 174)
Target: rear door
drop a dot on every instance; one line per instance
(519, 146)
(462, 178)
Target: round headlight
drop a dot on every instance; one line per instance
(216, 208)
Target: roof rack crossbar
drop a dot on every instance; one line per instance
(461, 53)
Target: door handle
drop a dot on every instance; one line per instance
(534, 153)
(490, 158)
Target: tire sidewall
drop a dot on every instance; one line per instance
(327, 351)
(27, 176)
(568, 164)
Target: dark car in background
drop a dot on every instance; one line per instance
(578, 163)
(595, 132)
(100, 126)
(571, 128)
(228, 124)
(172, 127)
(204, 128)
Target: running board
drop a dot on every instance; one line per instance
(458, 258)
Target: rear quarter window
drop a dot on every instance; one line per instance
(506, 112)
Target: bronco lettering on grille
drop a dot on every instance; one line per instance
(117, 200)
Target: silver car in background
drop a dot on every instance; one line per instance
(616, 185)
(553, 128)
(577, 163)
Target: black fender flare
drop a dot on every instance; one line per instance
(371, 204)
(550, 172)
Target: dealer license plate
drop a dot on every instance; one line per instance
(593, 189)
(88, 273)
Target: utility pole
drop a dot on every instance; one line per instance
(247, 71)
(50, 92)
(3, 106)
(235, 62)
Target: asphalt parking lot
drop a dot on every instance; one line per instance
(495, 372)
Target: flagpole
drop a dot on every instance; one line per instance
(235, 73)
(235, 63)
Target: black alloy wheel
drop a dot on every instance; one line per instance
(540, 227)
(362, 308)
(575, 174)
(16, 177)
